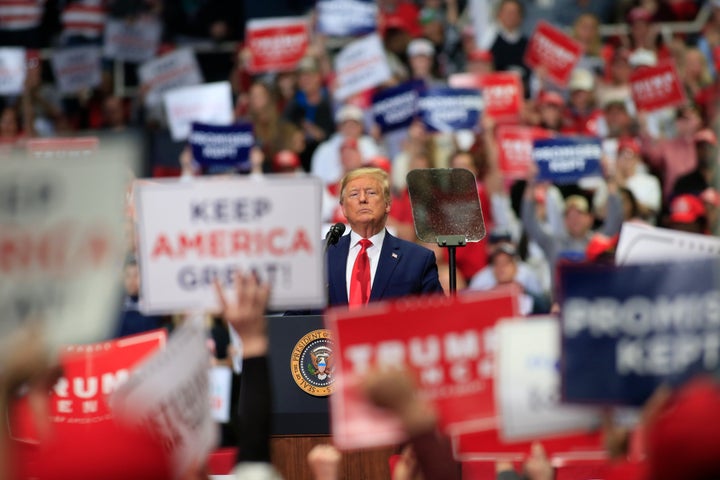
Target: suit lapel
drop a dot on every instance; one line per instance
(337, 262)
(389, 259)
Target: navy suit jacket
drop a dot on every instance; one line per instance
(404, 268)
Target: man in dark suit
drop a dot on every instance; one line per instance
(369, 264)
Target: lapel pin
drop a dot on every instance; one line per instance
(394, 255)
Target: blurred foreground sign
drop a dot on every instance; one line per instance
(207, 103)
(449, 343)
(191, 233)
(61, 242)
(640, 243)
(625, 330)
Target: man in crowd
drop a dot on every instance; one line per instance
(369, 264)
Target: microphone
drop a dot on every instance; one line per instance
(334, 234)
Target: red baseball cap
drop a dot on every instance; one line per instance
(639, 14)
(286, 159)
(381, 162)
(549, 97)
(629, 143)
(480, 55)
(686, 209)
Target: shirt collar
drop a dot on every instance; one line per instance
(376, 239)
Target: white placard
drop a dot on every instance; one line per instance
(173, 70)
(192, 232)
(639, 244)
(12, 70)
(76, 68)
(61, 238)
(220, 391)
(169, 395)
(134, 42)
(362, 64)
(209, 103)
(528, 389)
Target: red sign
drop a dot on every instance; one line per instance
(554, 50)
(515, 146)
(502, 93)
(276, 43)
(62, 147)
(449, 343)
(90, 373)
(657, 87)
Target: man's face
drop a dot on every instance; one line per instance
(510, 16)
(364, 203)
(577, 223)
(504, 268)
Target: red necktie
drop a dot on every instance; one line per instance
(360, 278)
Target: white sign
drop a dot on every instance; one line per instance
(61, 238)
(133, 42)
(193, 232)
(209, 103)
(528, 390)
(169, 395)
(76, 68)
(641, 243)
(220, 392)
(361, 65)
(12, 70)
(175, 69)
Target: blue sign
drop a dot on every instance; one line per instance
(222, 149)
(394, 108)
(450, 109)
(346, 18)
(626, 330)
(565, 160)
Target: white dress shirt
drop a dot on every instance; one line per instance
(373, 253)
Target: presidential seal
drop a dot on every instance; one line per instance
(311, 363)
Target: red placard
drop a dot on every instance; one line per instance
(554, 50)
(502, 93)
(515, 146)
(657, 87)
(448, 342)
(62, 147)
(276, 43)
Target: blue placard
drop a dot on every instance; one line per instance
(626, 330)
(450, 109)
(565, 160)
(347, 18)
(222, 148)
(394, 108)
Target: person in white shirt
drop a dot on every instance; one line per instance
(631, 174)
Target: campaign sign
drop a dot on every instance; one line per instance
(219, 149)
(220, 392)
(640, 244)
(554, 50)
(76, 68)
(626, 330)
(453, 360)
(169, 396)
(208, 103)
(12, 70)
(131, 41)
(346, 18)
(172, 70)
(502, 93)
(394, 108)
(62, 147)
(61, 236)
(515, 147)
(361, 65)
(276, 44)
(565, 160)
(450, 109)
(528, 382)
(191, 233)
(657, 87)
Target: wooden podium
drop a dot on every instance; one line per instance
(301, 420)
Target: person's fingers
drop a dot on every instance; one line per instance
(220, 295)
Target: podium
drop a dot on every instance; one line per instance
(301, 420)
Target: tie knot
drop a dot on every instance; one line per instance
(365, 244)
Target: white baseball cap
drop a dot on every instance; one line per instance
(420, 46)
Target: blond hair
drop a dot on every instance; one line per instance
(376, 173)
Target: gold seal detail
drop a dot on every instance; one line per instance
(311, 363)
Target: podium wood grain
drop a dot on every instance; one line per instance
(289, 457)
